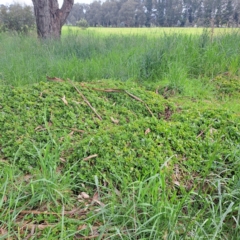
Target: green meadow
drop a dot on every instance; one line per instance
(149, 32)
(120, 134)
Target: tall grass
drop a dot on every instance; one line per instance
(145, 209)
(82, 56)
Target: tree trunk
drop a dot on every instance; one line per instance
(49, 18)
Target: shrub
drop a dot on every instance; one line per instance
(16, 18)
(82, 23)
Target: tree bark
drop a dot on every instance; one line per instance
(49, 18)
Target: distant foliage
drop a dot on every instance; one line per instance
(82, 23)
(164, 13)
(16, 18)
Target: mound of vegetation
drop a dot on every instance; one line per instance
(117, 131)
(158, 158)
(161, 164)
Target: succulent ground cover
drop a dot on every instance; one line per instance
(109, 135)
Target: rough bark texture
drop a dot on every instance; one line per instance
(49, 18)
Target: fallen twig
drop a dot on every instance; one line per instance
(35, 212)
(129, 94)
(140, 100)
(203, 131)
(77, 130)
(85, 99)
(108, 90)
(89, 157)
(55, 79)
(32, 226)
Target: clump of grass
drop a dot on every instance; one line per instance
(90, 56)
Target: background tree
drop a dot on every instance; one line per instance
(49, 18)
(227, 13)
(149, 6)
(189, 10)
(127, 14)
(3, 14)
(16, 17)
(94, 14)
(218, 13)
(140, 16)
(164, 13)
(173, 12)
(161, 4)
(208, 12)
(236, 12)
(77, 13)
(110, 13)
(199, 18)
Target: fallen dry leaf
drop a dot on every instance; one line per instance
(4, 198)
(79, 212)
(176, 172)
(59, 170)
(165, 236)
(95, 196)
(27, 177)
(99, 203)
(83, 195)
(3, 161)
(147, 131)
(71, 133)
(95, 199)
(117, 192)
(40, 128)
(212, 130)
(3, 232)
(77, 130)
(34, 226)
(62, 159)
(64, 100)
(114, 120)
(82, 227)
(177, 183)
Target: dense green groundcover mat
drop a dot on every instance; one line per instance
(117, 131)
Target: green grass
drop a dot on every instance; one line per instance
(88, 55)
(149, 32)
(158, 159)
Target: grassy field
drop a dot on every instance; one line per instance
(149, 32)
(120, 134)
